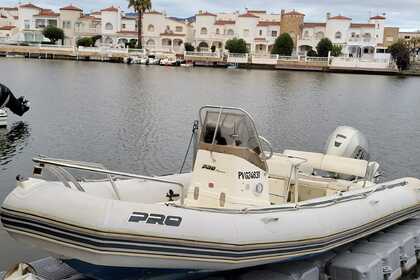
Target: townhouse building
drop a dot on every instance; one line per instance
(356, 39)
(204, 31)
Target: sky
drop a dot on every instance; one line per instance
(401, 13)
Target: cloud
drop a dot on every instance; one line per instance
(403, 13)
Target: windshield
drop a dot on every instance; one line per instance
(235, 131)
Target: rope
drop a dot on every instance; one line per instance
(194, 130)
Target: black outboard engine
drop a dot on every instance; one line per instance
(19, 106)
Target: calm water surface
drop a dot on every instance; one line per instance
(139, 118)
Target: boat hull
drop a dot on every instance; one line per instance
(117, 234)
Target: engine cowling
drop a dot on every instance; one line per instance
(348, 142)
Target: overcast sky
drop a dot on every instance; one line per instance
(402, 13)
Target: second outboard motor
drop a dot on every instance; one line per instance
(348, 142)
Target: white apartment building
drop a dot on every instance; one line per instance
(356, 39)
(160, 32)
(258, 28)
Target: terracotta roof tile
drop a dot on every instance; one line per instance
(30, 6)
(47, 13)
(378, 17)
(7, 27)
(360, 25)
(110, 9)
(71, 8)
(340, 17)
(224, 22)
(268, 23)
(248, 14)
(89, 17)
(314, 24)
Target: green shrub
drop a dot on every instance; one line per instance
(85, 42)
(53, 33)
(188, 47)
(283, 45)
(311, 53)
(336, 50)
(324, 47)
(236, 45)
(401, 53)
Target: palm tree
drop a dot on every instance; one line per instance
(140, 6)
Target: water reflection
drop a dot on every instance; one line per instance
(12, 142)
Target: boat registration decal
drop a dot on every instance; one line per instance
(249, 175)
(155, 219)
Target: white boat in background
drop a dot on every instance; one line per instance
(3, 118)
(240, 206)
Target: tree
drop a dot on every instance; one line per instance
(53, 33)
(140, 6)
(85, 42)
(236, 45)
(336, 50)
(188, 47)
(283, 45)
(324, 47)
(95, 38)
(311, 53)
(400, 51)
(132, 43)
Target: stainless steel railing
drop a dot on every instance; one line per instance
(56, 167)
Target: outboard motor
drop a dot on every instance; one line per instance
(19, 106)
(348, 142)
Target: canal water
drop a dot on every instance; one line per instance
(139, 118)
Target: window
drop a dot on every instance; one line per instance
(123, 26)
(338, 35)
(27, 24)
(109, 26)
(389, 39)
(203, 31)
(217, 31)
(260, 32)
(367, 37)
(353, 35)
(178, 29)
(406, 37)
(306, 34)
(66, 24)
(230, 32)
(274, 33)
(52, 22)
(246, 32)
(39, 23)
(150, 43)
(151, 28)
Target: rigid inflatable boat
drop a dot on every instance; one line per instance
(242, 205)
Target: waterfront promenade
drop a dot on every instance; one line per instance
(212, 59)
